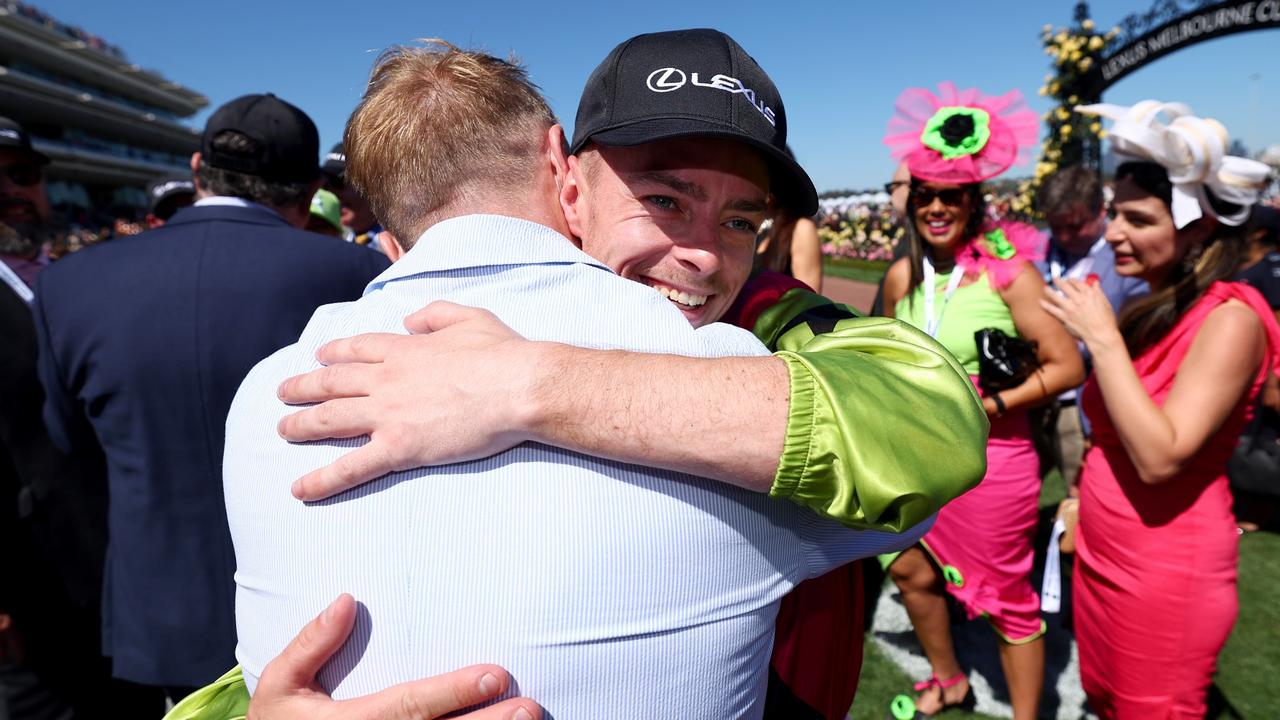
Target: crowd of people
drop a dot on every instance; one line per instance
(73, 32)
(576, 407)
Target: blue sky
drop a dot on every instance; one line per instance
(838, 64)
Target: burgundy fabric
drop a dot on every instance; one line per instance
(761, 292)
(817, 650)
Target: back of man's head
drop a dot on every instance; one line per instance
(1072, 188)
(260, 148)
(439, 128)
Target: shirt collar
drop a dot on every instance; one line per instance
(227, 201)
(472, 241)
(1059, 253)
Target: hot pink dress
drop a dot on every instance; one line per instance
(982, 540)
(1154, 587)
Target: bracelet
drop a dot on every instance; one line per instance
(1044, 390)
(1000, 408)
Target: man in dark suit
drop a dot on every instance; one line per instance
(53, 505)
(149, 337)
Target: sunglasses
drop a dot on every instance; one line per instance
(951, 197)
(889, 187)
(24, 175)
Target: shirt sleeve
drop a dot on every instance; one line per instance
(827, 545)
(884, 428)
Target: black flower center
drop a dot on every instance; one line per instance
(956, 129)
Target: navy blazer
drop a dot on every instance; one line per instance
(149, 336)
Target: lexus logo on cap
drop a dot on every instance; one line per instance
(665, 80)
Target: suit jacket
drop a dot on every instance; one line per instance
(149, 337)
(53, 512)
(52, 505)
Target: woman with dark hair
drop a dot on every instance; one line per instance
(790, 246)
(1174, 381)
(965, 274)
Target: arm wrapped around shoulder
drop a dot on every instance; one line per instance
(884, 428)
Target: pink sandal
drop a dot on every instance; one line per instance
(904, 707)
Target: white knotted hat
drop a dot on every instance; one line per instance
(1193, 151)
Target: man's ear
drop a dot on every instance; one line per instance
(390, 245)
(556, 152)
(573, 201)
(195, 170)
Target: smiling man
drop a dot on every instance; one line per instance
(576, 574)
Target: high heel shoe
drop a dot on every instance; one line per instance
(903, 707)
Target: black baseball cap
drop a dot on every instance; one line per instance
(169, 186)
(335, 163)
(691, 83)
(288, 144)
(12, 135)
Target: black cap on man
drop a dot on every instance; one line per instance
(280, 143)
(691, 83)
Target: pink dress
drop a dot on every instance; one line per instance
(1154, 588)
(982, 540)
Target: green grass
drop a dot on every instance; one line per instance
(867, 271)
(1247, 667)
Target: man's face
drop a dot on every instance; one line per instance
(356, 213)
(677, 215)
(1077, 229)
(23, 200)
(901, 184)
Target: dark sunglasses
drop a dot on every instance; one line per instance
(951, 197)
(889, 187)
(24, 175)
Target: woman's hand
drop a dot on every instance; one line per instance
(1084, 311)
(1060, 365)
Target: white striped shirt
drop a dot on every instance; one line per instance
(607, 590)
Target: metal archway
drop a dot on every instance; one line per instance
(1167, 28)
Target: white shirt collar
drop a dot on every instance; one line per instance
(227, 201)
(471, 241)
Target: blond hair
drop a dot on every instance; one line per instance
(437, 125)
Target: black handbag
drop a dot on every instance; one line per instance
(1003, 362)
(1254, 466)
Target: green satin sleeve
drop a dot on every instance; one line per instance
(884, 428)
(227, 698)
